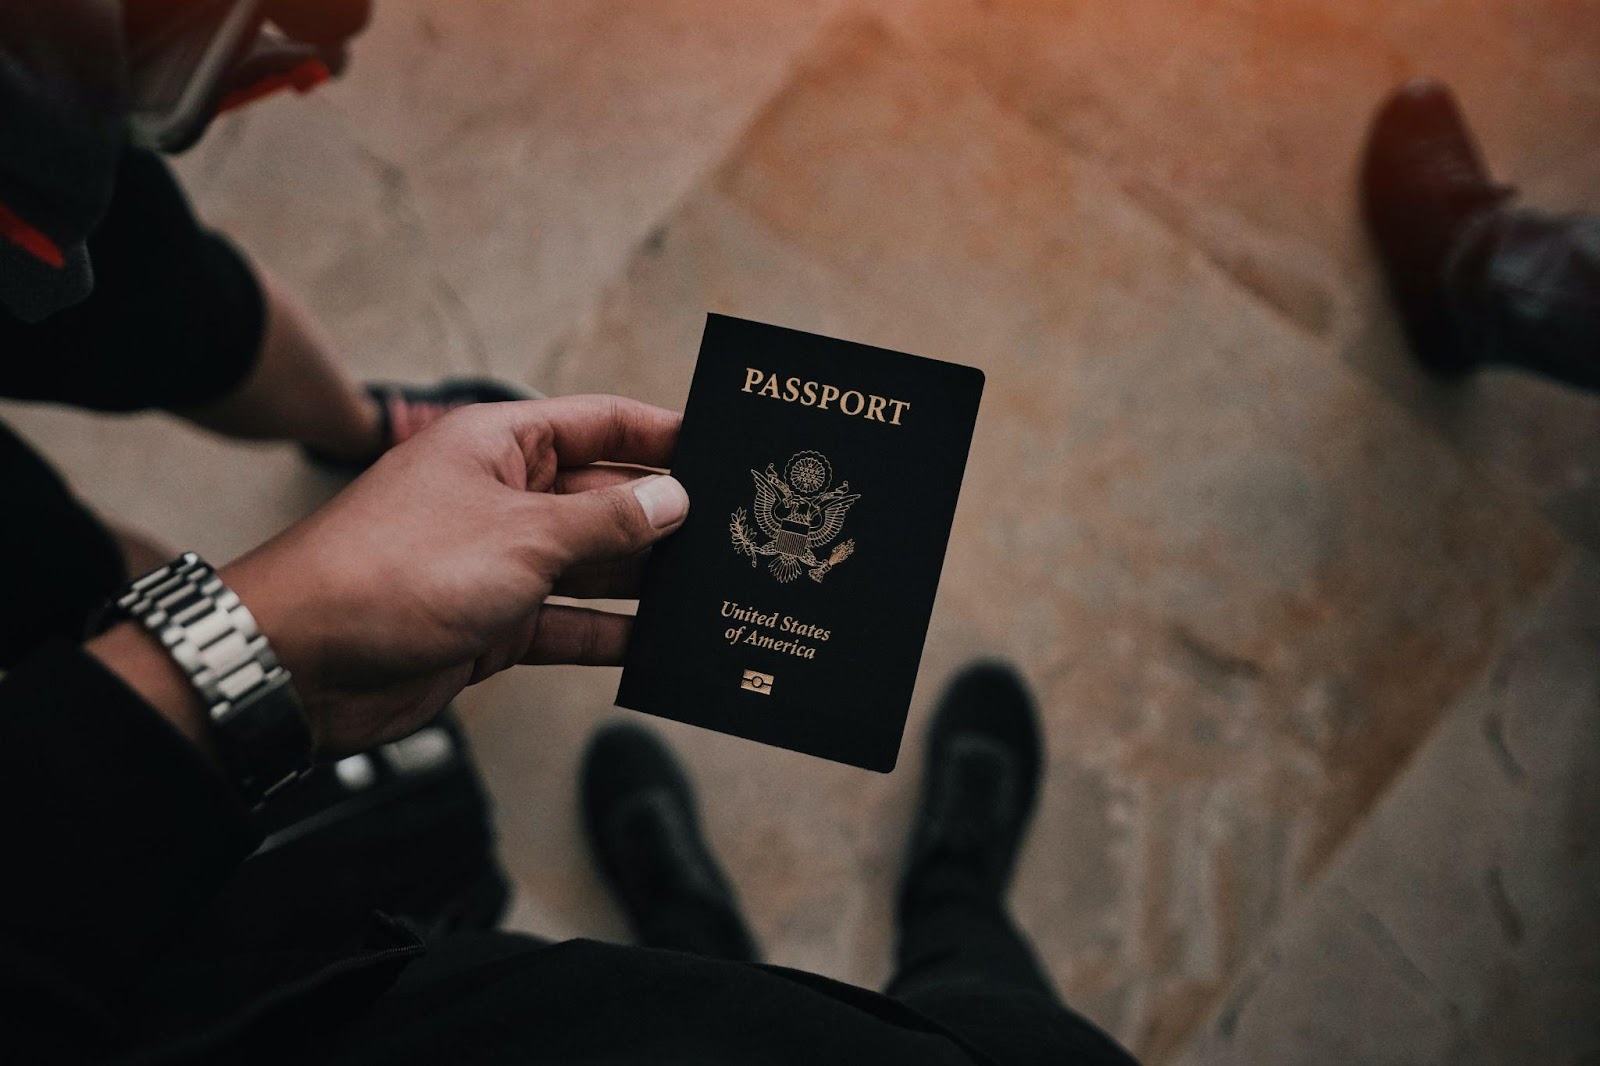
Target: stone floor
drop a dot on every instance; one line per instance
(1315, 639)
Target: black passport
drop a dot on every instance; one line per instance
(792, 606)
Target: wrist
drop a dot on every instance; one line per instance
(288, 620)
(135, 655)
(240, 706)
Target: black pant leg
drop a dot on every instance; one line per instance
(960, 941)
(1524, 290)
(58, 563)
(967, 966)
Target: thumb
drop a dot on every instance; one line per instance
(616, 521)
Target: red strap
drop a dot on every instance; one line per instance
(14, 228)
(309, 74)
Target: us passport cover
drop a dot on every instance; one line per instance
(792, 606)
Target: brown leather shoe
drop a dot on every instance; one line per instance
(1422, 184)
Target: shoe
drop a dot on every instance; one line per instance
(1422, 184)
(406, 410)
(979, 788)
(639, 814)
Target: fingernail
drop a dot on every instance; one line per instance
(663, 500)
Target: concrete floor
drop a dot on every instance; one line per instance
(1315, 638)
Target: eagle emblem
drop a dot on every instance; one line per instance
(800, 514)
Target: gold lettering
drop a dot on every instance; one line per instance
(851, 402)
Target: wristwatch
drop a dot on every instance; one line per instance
(256, 720)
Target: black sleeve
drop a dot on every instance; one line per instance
(58, 562)
(116, 832)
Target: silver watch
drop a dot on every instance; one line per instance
(257, 723)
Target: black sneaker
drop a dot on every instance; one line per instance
(639, 812)
(406, 410)
(978, 791)
(1422, 184)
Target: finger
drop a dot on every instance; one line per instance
(616, 580)
(609, 523)
(584, 478)
(589, 429)
(578, 635)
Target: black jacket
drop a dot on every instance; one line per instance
(117, 836)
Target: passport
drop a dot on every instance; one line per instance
(792, 606)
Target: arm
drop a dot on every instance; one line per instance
(429, 573)
(143, 666)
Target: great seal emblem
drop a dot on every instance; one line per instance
(801, 514)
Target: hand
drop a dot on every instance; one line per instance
(429, 573)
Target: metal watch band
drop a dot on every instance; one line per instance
(257, 722)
